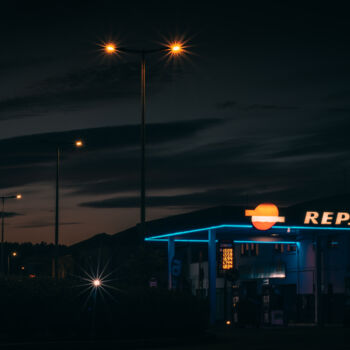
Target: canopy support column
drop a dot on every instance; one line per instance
(171, 254)
(212, 274)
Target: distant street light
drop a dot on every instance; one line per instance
(97, 283)
(175, 48)
(78, 144)
(3, 199)
(11, 255)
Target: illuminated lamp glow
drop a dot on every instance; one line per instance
(176, 48)
(96, 282)
(79, 143)
(110, 48)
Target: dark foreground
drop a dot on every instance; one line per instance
(220, 339)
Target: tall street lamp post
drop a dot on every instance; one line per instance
(9, 256)
(174, 49)
(78, 144)
(96, 284)
(3, 199)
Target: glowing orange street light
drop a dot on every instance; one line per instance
(175, 48)
(13, 255)
(110, 48)
(79, 143)
(3, 199)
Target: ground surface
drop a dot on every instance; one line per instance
(219, 339)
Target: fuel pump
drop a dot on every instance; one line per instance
(235, 303)
(266, 303)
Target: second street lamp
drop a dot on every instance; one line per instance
(78, 144)
(9, 257)
(175, 48)
(3, 199)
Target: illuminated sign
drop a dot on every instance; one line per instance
(327, 218)
(227, 258)
(264, 216)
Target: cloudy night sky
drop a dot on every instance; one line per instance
(258, 111)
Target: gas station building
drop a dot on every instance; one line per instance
(263, 264)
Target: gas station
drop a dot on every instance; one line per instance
(294, 257)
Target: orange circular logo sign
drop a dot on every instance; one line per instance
(264, 216)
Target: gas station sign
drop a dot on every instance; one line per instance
(225, 257)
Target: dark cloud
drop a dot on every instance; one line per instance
(80, 89)
(339, 96)
(210, 198)
(229, 104)
(258, 167)
(41, 224)
(9, 214)
(226, 104)
(266, 107)
(29, 159)
(22, 62)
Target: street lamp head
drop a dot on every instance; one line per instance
(110, 48)
(19, 196)
(176, 48)
(14, 254)
(96, 282)
(79, 143)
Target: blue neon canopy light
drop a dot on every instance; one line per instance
(164, 237)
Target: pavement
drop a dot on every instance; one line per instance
(330, 338)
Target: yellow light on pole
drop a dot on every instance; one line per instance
(79, 143)
(176, 48)
(110, 48)
(170, 49)
(19, 196)
(14, 254)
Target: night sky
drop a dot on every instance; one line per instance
(258, 111)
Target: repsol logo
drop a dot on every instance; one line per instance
(327, 218)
